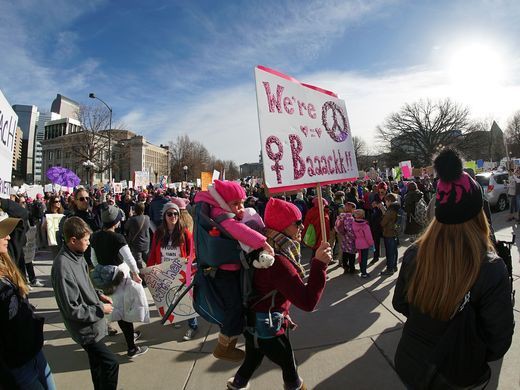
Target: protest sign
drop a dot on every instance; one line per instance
(118, 188)
(205, 179)
(53, 224)
(304, 132)
(165, 282)
(8, 123)
(34, 190)
(141, 179)
(124, 184)
(406, 169)
(215, 176)
(199, 182)
(48, 188)
(130, 184)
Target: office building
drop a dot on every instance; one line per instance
(27, 120)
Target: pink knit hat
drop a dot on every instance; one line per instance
(181, 202)
(279, 214)
(229, 190)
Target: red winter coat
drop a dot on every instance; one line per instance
(154, 256)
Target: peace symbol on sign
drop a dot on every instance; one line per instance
(339, 130)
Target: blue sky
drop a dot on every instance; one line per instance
(186, 67)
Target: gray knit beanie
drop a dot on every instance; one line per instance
(168, 206)
(110, 215)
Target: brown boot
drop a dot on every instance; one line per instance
(226, 349)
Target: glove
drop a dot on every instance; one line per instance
(265, 260)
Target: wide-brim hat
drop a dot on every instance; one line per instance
(7, 224)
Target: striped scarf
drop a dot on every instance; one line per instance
(286, 247)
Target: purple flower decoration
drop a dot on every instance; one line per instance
(63, 177)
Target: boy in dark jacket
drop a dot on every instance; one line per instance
(390, 233)
(83, 308)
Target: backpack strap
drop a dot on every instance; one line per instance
(222, 217)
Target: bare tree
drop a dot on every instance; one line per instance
(91, 143)
(513, 134)
(195, 156)
(420, 129)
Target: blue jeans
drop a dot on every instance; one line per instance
(35, 374)
(391, 252)
(364, 260)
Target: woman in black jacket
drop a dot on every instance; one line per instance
(454, 291)
(22, 363)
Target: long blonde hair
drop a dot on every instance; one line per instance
(9, 270)
(447, 265)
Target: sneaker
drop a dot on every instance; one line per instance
(189, 334)
(387, 272)
(141, 350)
(232, 385)
(137, 335)
(37, 283)
(111, 330)
(365, 275)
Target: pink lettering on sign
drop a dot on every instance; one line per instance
(275, 102)
(337, 126)
(298, 163)
(276, 157)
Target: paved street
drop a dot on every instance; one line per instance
(347, 343)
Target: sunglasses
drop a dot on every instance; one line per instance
(298, 223)
(84, 199)
(171, 214)
(57, 201)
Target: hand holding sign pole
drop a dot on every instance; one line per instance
(305, 135)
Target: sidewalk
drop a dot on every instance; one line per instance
(347, 343)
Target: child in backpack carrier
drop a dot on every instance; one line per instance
(227, 197)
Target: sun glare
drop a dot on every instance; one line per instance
(476, 65)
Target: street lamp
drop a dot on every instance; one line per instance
(185, 169)
(88, 165)
(93, 96)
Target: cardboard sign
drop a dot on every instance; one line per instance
(53, 225)
(165, 282)
(206, 178)
(304, 132)
(8, 123)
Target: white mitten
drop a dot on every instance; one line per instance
(265, 260)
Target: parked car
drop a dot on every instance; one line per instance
(494, 185)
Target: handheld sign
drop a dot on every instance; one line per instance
(305, 135)
(8, 123)
(304, 132)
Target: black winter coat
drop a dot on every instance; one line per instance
(491, 300)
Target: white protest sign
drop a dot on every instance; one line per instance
(124, 185)
(130, 184)
(305, 133)
(53, 224)
(141, 179)
(8, 123)
(216, 175)
(164, 282)
(34, 190)
(118, 188)
(48, 188)
(406, 168)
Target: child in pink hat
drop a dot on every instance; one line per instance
(226, 197)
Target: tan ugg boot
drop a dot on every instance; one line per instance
(226, 349)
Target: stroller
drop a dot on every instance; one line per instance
(503, 249)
